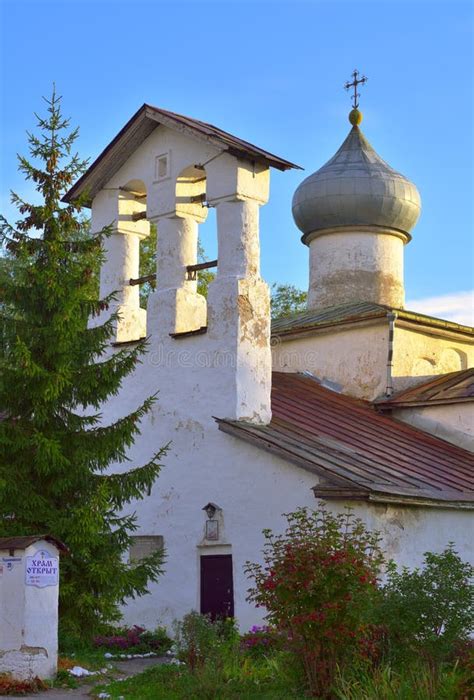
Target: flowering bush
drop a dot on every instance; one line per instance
(135, 639)
(258, 641)
(317, 583)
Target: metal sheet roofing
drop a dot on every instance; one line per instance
(356, 452)
(140, 126)
(356, 188)
(356, 312)
(455, 387)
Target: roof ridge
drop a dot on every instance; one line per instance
(141, 125)
(341, 313)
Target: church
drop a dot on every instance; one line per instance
(356, 401)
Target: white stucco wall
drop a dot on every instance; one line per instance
(253, 488)
(353, 356)
(409, 531)
(452, 422)
(420, 354)
(356, 264)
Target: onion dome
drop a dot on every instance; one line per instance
(356, 188)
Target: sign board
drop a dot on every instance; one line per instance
(42, 569)
(10, 562)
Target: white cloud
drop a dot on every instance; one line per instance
(458, 307)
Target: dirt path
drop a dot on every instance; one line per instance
(125, 670)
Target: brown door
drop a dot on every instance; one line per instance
(217, 590)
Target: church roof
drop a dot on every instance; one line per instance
(356, 188)
(140, 126)
(305, 322)
(454, 387)
(356, 452)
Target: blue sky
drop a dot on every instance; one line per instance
(271, 72)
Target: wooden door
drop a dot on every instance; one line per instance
(217, 589)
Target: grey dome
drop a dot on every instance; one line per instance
(356, 188)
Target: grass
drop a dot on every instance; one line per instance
(413, 682)
(211, 682)
(269, 680)
(74, 652)
(220, 665)
(77, 652)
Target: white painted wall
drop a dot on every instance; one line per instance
(452, 422)
(28, 618)
(353, 356)
(410, 531)
(356, 264)
(253, 488)
(422, 354)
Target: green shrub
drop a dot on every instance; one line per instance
(429, 611)
(318, 584)
(198, 638)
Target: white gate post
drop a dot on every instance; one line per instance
(29, 588)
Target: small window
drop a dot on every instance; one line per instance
(144, 545)
(162, 166)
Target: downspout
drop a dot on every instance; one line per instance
(392, 316)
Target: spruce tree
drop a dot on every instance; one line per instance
(55, 374)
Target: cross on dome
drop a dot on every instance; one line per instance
(355, 82)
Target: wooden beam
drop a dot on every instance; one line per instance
(142, 280)
(190, 269)
(201, 266)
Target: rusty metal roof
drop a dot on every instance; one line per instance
(360, 311)
(356, 452)
(455, 387)
(140, 126)
(24, 541)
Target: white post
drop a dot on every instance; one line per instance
(175, 306)
(122, 250)
(238, 238)
(239, 311)
(29, 589)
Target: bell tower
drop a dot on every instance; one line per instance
(167, 169)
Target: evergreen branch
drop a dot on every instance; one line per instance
(95, 381)
(134, 484)
(101, 446)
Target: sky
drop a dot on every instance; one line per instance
(271, 72)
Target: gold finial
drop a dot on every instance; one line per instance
(355, 117)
